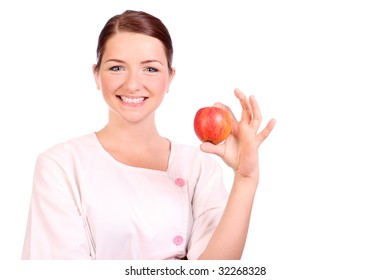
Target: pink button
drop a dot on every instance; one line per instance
(178, 240)
(180, 182)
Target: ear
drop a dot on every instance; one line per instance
(171, 76)
(96, 76)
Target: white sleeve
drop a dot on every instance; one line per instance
(56, 228)
(208, 205)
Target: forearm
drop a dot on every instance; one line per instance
(229, 238)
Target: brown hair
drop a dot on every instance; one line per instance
(136, 22)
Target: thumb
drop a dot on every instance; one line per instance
(210, 148)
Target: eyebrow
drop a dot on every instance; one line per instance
(114, 60)
(151, 60)
(142, 62)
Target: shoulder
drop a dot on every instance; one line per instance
(183, 150)
(192, 158)
(66, 148)
(191, 153)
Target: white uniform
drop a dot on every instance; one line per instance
(87, 205)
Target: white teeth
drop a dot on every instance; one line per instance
(132, 100)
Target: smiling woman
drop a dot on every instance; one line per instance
(125, 191)
(133, 74)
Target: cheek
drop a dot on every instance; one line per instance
(160, 85)
(109, 84)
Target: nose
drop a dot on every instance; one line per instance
(133, 82)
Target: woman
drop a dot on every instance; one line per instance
(126, 192)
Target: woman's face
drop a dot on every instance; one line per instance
(133, 76)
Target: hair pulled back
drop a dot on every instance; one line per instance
(136, 22)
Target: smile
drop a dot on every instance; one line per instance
(129, 100)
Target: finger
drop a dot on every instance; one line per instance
(256, 120)
(266, 131)
(246, 114)
(210, 148)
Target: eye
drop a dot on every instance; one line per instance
(116, 68)
(151, 69)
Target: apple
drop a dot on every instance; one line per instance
(212, 124)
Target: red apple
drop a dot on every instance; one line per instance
(212, 124)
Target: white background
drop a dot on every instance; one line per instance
(321, 68)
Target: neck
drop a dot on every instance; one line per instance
(119, 133)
